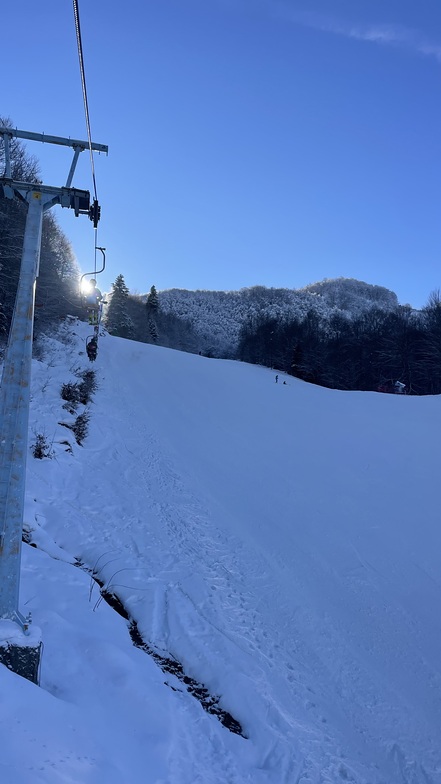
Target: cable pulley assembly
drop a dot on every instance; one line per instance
(95, 213)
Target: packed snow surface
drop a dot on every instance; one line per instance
(280, 541)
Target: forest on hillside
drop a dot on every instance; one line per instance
(369, 352)
(342, 334)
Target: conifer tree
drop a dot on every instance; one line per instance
(152, 303)
(118, 321)
(152, 306)
(153, 330)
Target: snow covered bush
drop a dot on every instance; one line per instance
(80, 392)
(41, 448)
(71, 392)
(80, 428)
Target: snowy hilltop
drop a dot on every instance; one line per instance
(217, 316)
(237, 580)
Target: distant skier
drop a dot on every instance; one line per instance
(277, 378)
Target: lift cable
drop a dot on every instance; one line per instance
(83, 84)
(86, 112)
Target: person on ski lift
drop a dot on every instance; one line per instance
(92, 349)
(93, 301)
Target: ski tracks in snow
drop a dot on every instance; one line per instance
(199, 592)
(201, 606)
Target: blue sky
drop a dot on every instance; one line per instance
(250, 141)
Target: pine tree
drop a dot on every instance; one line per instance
(118, 321)
(153, 330)
(152, 306)
(152, 303)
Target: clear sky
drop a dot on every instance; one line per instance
(250, 141)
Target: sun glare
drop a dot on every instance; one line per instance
(86, 286)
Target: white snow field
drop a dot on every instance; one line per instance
(281, 541)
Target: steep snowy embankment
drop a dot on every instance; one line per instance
(280, 541)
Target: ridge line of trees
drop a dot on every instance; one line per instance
(358, 354)
(381, 344)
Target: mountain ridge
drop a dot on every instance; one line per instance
(217, 316)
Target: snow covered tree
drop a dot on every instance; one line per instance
(152, 306)
(152, 303)
(118, 321)
(12, 220)
(57, 284)
(153, 330)
(58, 281)
(432, 347)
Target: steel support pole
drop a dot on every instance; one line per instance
(14, 414)
(18, 653)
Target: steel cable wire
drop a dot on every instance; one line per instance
(86, 107)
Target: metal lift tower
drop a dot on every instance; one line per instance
(19, 644)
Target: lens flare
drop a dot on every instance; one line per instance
(86, 286)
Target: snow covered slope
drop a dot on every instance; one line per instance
(280, 541)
